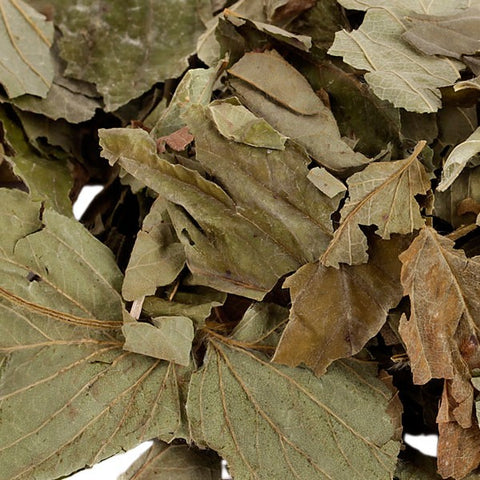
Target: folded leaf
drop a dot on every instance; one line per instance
(318, 134)
(336, 311)
(396, 71)
(47, 180)
(25, 40)
(383, 194)
(284, 220)
(237, 123)
(157, 256)
(458, 159)
(195, 304)
(262, 418)
(66, 370)
(187, 462)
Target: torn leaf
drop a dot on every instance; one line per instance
(383, 194)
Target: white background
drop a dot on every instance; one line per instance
(111, 468)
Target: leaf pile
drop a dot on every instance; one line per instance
(282, 269)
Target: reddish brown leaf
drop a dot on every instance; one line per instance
(177, 140)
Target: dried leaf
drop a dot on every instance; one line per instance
(458, 159)
(196, 304)
(187, 462)
(336, 311)
(169, 338)
(237, 123)
(260, 211)
(396, 71)
(326, 182)
(60, 332)
(153, 41)
(157, 256)
(231, 401)
(383, 195)
(261, 70)
(451, 36)
(441, 338)
(318, 134)
(25, 39)
(47, 179)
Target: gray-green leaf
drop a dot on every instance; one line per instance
(262, 417)
(65, 369)
(396, 71)
(25, 40)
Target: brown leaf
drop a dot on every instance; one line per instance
(336, 311)
(177, 140)
(441, 339)
(458, 450)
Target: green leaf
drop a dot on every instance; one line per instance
(126, 46)
(458, 159)
(284, 216)
(336, 311)
(384, 195)
(195, 87)
(47, 179)
(81, 396)
(169, 338)
(195, 304)
(162, 460)
(261, 324)
(25, 41)
(237, 123)
(318, 133)
(157, 256)
(262, 418)
(396, 71)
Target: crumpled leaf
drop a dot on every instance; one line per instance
(157, 256)
(318, 134)
(237, 123)
(458, 159)
(383, 194)
(230, 404)
(25, 39)
(260, 211)
(441, 337)
(336, 311)
(169, 338)
(66, 370)
(195, 303)
(194, 88)
(162, 460)
(261, 70)
(396, 71)
(286, 10)
(302, 42)
(47, 179)
(208, 48)
(152, 40)
(451, 36)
